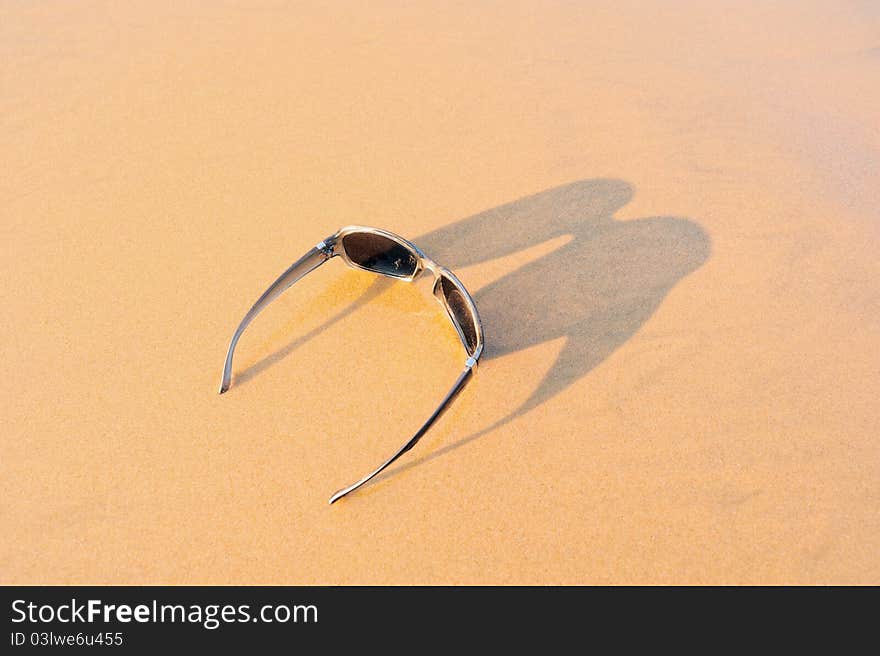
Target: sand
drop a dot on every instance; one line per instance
(668, 216)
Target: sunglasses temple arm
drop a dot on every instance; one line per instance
(306, 264)
(447, 401)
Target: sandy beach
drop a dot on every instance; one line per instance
(667, 214)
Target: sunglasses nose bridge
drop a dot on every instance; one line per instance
(433, 268)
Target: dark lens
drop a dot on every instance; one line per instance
(380, 254)
(461, 312)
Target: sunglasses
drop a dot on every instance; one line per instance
(384, 253)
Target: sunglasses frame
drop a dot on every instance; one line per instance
(334, 246)
(423, 263)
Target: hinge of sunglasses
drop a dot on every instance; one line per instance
(327, 246)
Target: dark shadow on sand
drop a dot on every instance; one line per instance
(596, 291)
